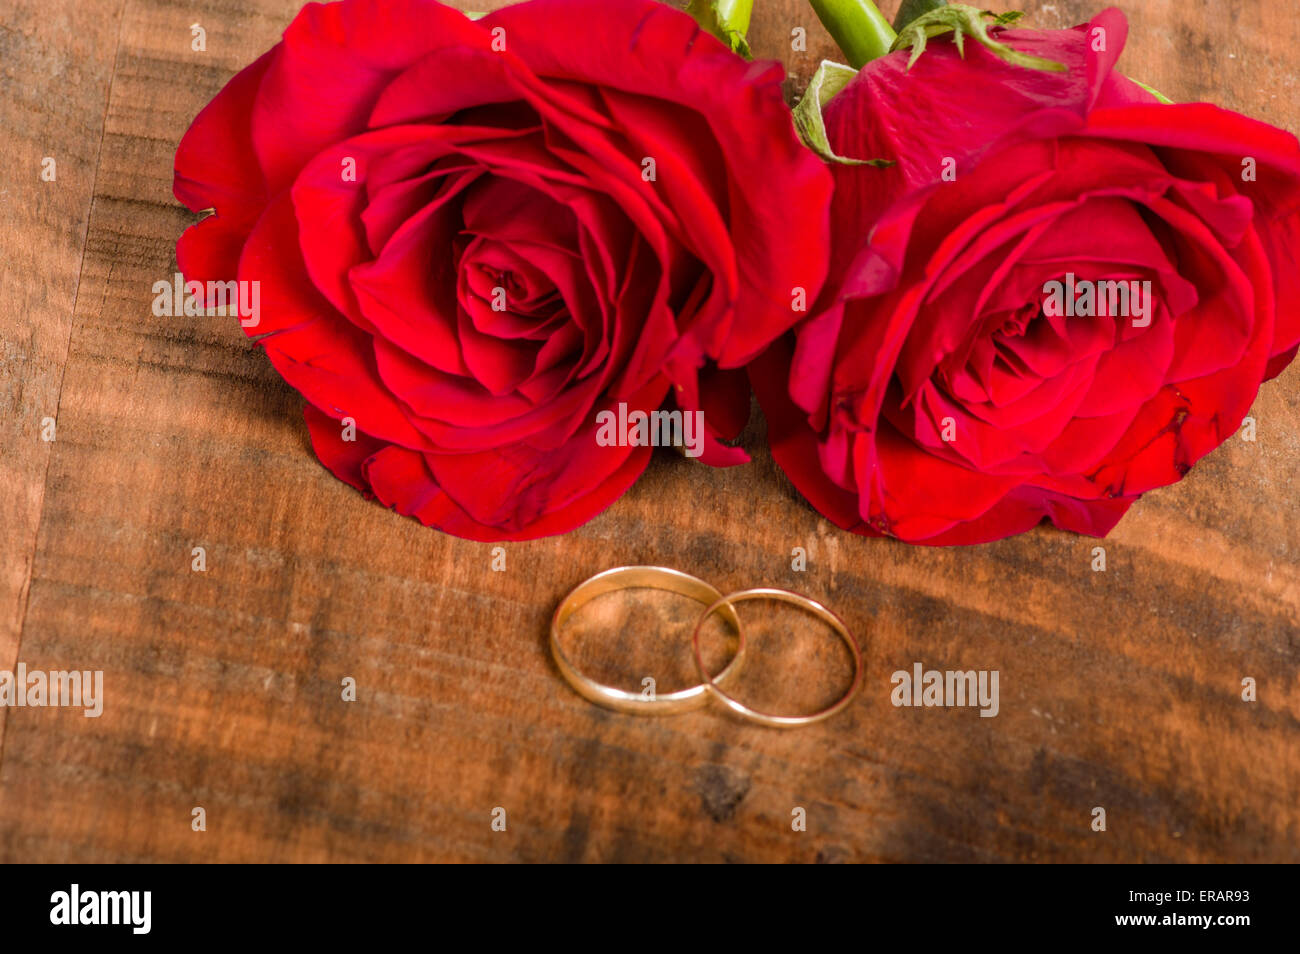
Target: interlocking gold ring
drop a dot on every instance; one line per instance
(812, 606)
(640, 577)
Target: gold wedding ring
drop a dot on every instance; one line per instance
(785, 596)
(643, 577)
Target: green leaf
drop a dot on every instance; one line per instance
(1154, 92)
(829, 79)
(963, 21)
(909, 10)
(728, 20)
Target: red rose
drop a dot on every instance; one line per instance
(471, 237)
(937, 395)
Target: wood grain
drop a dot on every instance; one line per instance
(57, 65)
(1119, 689)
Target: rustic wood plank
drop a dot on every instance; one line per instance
(1119, 689)
(57, 61)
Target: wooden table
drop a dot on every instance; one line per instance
(1120, 689)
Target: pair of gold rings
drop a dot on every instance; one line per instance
(683, 700)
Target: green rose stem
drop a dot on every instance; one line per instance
(860, 29)
(728, 20)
